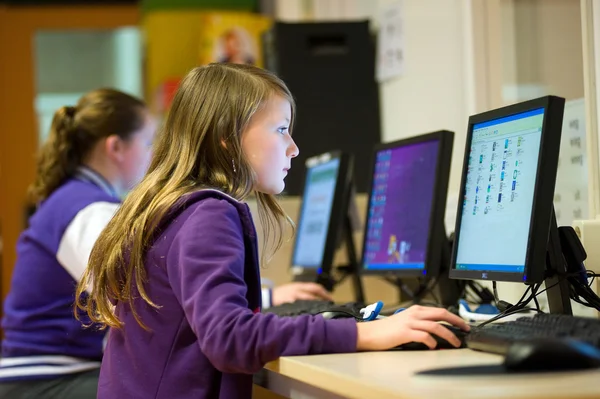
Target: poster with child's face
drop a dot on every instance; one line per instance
(232, 37)
(237, 46)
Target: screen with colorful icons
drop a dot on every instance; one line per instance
(400, 207)
(499, 190)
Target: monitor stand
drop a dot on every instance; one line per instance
(557, 287)
(350, 269)
(450, 290)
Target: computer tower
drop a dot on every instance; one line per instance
(330, 70)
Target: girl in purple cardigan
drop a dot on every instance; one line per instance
(176, 271)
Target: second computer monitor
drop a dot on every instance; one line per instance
(405, 231)
(323, 212)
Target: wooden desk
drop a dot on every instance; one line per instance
(393, 375)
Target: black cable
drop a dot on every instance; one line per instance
(524, 303)
(523, 296)
(580, 293)
(585, 294)
(506, 313)
(520, 306)
(516, 308)
(580, 301)
(495, 288)
(552, 286)
(537, 304)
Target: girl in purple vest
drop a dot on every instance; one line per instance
(176, 272)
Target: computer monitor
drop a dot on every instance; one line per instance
(506, 215)
(405, 234)
(323, 214)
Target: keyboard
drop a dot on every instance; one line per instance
(314, 307)
(496, 338)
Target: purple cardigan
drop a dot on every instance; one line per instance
(209, 336)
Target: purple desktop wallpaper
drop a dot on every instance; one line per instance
(400, 207)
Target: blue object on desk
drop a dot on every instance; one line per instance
(372, 311)
(486, 308)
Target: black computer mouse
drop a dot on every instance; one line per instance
(552, 354)
(441, 343)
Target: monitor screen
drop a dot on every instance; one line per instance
(315, 215)
(400, 207)
(498, 194)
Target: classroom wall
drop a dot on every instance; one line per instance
(561, 50)
(431, 95)
(18, 125)
(538, 58)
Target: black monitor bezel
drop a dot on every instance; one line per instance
(535, 258)
(437, 237)
(339, 212)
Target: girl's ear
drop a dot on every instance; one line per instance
(114, 148)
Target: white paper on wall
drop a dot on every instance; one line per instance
(571, 192)
(390, 42)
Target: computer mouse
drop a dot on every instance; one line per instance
(441, 343)
(551, 354)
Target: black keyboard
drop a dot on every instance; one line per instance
(496, 338)
(314, 307)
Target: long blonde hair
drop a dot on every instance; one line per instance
(213, 105)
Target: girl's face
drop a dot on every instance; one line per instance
(137, 153)
(268, 146)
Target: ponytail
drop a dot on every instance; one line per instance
(58, 158)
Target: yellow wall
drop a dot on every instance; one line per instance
(164, 60)
(177, 41)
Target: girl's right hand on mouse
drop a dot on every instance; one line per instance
(415, 324)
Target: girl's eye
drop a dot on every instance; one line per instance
(282, 130)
